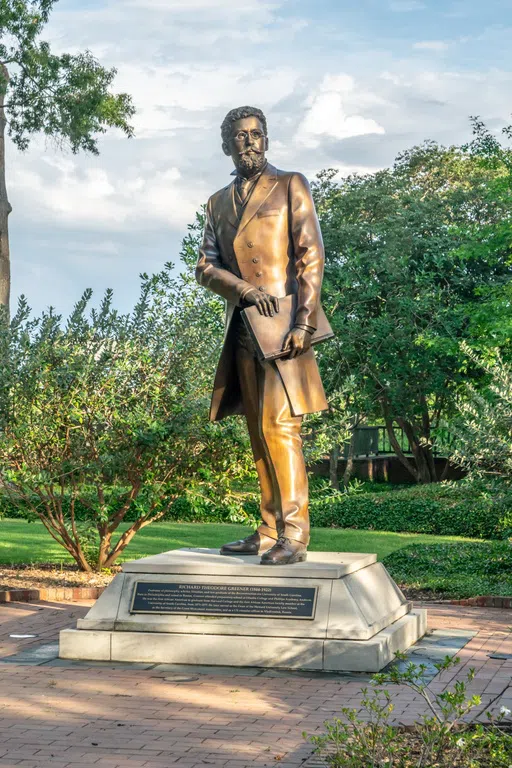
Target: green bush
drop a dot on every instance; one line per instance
(189, 510)
(444, 509)
(442, 737)
(103, 417)
(183, 509)
(458, 570)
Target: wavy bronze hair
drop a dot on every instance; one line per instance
(238, 114)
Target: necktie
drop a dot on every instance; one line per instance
(244, 189)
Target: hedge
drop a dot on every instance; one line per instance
(182, 510)
(447, 509)
(458, 570)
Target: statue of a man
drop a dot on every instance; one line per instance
(262, 241)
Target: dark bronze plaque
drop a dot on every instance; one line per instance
(258, 601)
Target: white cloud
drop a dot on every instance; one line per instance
(431, 45)
(161, 91)
(121, 200)
(332, 112)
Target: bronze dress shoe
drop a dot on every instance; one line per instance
(285, 552)
(251, 545)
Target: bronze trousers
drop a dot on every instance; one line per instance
(276, 444)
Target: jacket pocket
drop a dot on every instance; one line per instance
(269, 212)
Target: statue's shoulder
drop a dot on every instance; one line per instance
(219, 194)
(292, 176)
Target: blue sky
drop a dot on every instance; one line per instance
(344, 84)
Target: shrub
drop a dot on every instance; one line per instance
(104, 417)
(480, 437)
(475, 510)
(458, 570)
(366, 738)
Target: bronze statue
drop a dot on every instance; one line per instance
(262, 241)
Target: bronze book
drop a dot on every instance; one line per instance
(268, 333)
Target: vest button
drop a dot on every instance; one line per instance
(259, 274)
(262, 287)
(255, 261)
(250, 244)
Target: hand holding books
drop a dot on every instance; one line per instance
(297, 341)
(273, 331)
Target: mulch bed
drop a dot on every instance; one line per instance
(48, 575)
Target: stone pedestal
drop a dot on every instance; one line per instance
(336, 611)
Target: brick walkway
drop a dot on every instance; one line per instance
(61, 716)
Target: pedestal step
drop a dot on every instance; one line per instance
(246, 650)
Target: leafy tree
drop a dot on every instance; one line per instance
(104, 417)
(66, 97)
(480, 434)
(491, 323)
(412, 269)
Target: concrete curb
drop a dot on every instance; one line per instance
(49, 594)
(485, 601)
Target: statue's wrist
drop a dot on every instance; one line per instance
(304, 328)
(244, 295)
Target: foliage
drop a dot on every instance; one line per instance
(458, 570)
(198, 505)
(491, 324)
(327, 430)
(67, 97)
(441, 739)
(473, 509)
(480, 436)
(409, 259)
(108, 413)
(357, 743)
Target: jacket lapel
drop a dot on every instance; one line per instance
(227, 208)
(262, 190)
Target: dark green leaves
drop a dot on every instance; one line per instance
(66, 97)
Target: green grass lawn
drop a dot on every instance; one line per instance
(447, 566)
(22, 542)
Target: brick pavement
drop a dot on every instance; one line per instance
(72, 717)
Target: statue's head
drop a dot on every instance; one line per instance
(244, 139)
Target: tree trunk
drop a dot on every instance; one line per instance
(5, 207)
(333, 467)
(104, 550)
(388, 421)
(422, 453)
(349, 468)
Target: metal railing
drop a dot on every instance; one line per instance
(372, 441)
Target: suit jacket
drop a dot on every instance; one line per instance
(277, 247)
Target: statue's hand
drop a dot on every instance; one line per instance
(297, 341)
(266, 304)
